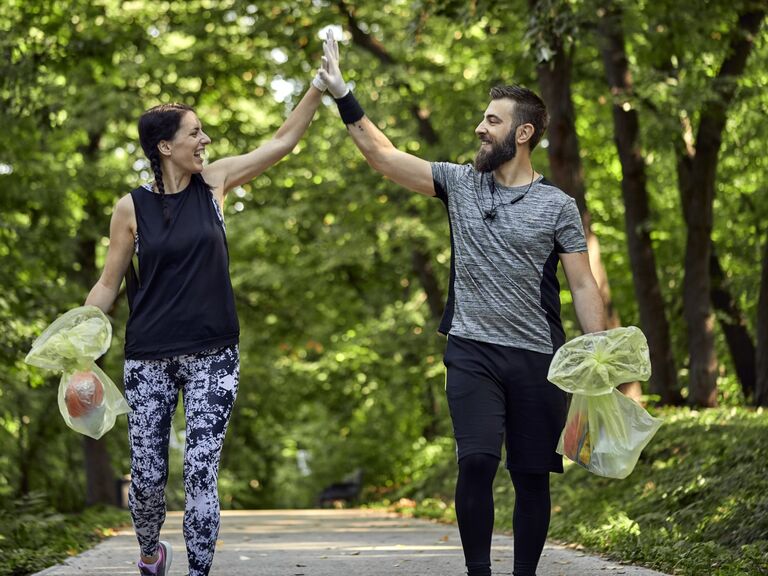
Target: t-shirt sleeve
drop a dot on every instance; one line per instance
(569, 232)
(444, 176)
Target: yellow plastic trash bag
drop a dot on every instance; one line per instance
(88, 399)
(605, 431)
(596, 363)
(82, 334)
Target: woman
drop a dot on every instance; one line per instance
(182, 332)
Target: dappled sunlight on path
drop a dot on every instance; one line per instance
(330, 543)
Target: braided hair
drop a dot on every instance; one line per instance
(156, 124)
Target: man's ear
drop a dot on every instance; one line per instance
(525, 133)
(164, 147)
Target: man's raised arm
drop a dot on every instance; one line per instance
(405, 169)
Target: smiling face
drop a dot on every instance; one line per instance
(497, 135)
(187, 147)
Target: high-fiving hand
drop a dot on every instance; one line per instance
(330, 74)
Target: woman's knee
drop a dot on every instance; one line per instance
(147, 493)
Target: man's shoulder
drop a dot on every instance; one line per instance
(554, 195)
(457, 170)
(453, 179)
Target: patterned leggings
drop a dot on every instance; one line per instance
(208, 381)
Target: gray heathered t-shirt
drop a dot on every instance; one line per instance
(504, 288)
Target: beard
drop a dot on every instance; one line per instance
(488, 161)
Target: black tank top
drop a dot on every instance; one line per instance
(182, 300)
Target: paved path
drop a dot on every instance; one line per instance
(331, 543)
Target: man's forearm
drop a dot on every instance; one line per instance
(589, 308)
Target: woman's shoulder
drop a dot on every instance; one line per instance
(125, 212)
(125, 203)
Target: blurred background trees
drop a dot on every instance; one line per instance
(658, 130)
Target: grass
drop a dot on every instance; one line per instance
(33, 538)
(695, 505)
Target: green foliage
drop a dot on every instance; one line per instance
(340, 360)
(696, 504)
(33, 536)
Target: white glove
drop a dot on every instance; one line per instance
(319, 83)
(330, 73)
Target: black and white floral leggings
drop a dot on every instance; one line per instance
(208, 382)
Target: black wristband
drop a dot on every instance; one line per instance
(349, 108)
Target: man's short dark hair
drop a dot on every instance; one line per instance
(529, 109)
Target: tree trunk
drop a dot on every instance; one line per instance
(99, 475)
(653, 316)
(566, 168)
(565, 162)
(761, 383)
(702, 378)
(734, 326)
(697, 285)
(731, 318)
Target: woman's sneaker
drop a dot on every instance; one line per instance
(163, 563)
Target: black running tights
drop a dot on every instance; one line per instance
(474, 511)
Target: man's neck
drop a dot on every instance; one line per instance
(515, 172)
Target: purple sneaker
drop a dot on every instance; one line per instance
(163, 563)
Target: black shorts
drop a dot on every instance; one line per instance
(495, 391)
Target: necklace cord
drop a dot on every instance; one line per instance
(491, 214)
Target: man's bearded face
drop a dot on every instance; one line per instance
(492, 155)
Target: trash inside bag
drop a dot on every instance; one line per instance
(83, 393)
(605, 431)
(606, 434)
(596, 363)
(89, 401)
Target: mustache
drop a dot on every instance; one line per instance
(489, 160)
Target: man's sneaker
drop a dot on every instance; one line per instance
(163, 563)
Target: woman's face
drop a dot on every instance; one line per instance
(188, 144)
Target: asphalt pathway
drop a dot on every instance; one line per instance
(330, 543)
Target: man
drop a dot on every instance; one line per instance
(509, 229)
